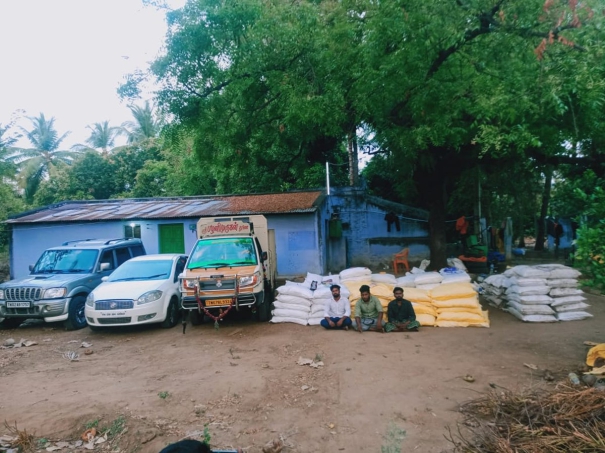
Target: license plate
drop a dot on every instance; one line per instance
(18, 304)
(218, 302)
(113, 313)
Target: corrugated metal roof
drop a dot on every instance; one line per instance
(165, 208)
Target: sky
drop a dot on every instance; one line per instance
(66, 58)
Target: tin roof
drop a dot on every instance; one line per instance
(175, 207)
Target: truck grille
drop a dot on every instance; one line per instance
(114, 320)
(220, 284)
(114, 304)
(17, 294)
(243, 299)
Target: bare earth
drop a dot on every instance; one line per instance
(244, 383)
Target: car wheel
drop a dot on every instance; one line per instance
(76, 319)
(172, 315)
(196, 317)
(11, 323)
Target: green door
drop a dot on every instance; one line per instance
(172, 238)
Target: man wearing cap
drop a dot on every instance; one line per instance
(402, 317)
(337, 312)
(368, 312)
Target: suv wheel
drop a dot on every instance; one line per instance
(196, 317)
(11, 323)
(76, 319)
(172, 314)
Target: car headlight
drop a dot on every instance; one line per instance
(249, 280)
(149, 297)
(90, 300)
(54, 293)
(1, 294)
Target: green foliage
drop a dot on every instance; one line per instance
(116, 427)
(163, 395)
(92, 424)
(393, 438)
(207, 436)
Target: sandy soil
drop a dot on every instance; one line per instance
(243, 381)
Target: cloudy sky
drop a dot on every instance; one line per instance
(65, 58)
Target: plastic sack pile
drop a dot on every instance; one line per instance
(541, 293)
(444, 299)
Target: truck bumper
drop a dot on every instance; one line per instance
(244, 300)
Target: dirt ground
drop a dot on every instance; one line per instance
(244, 383)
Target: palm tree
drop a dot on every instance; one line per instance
(7, 168)
(145, 126)
(101, 136)
(39, 162)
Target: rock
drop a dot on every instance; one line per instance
(589, 379)
(9, 342)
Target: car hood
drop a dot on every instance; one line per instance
(48, 280)
(128, 290)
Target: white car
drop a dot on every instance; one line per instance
(143, 290)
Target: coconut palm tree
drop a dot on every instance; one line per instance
(101, 136)
(145, 125)
(7, 168)
(39, 162)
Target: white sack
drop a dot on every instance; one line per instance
(314, 321)
(428, 278)
(528, 290)
(562, 282)
(531, 271)
(524, 281)
(573, 316)
(531, 309)
(409, 281)
(295, 289)
(541, 299)
(287, 299)
(531, 318)
(580, 306)
(285, 313)
(278, 319)
(567, 300)
(354, 272)
(556, 292)
(384, 278)
(301, 308)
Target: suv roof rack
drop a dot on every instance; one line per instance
(111, 241)
(78, 240)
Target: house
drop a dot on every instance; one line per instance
(314, 232)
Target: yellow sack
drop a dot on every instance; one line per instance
(416, 295)
(594, 353)
(461, 317)
(476, 310)
(482, 321)
(469, 302)
(453, 291)
(425, 320)
(421, 309)
(382, 290)
(353, 287)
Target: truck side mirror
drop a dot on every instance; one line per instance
(264, 256)
(103, 267)
(31, 267)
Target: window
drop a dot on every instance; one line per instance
(123, 255)
(137, 250)
(180, 267)
(132, 230)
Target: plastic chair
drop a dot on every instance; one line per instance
(401, 258)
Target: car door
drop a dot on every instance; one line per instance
(178, 270)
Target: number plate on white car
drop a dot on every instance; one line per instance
(18, 304)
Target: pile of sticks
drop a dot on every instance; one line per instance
(559, 420)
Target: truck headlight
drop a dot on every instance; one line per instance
(189, 283)
(54, 293)
(149, 297)
(90, 300)
(249, 280)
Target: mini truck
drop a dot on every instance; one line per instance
(232, 265)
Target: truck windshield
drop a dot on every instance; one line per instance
(66, 261)
(223, 252)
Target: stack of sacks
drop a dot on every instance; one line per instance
(527, 296)
(292, 304)
(495, 287)
(427, 280)
(423, 306)
(567, 300)
(321, 296)
(457, 305)
(388, 279)
(353, 278)
(408, 281)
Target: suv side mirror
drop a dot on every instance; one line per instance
(264, 256)
(31, 267)
(103, 267)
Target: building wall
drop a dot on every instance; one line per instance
(366, 240)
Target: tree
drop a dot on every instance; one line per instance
(102, 137)
(453, 90)
(145, 125)
(39, 162)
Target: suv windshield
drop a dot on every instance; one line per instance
(223, 252)
(66, 261)
(142, 270)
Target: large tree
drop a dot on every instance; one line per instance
(453, 90)
(102, 136)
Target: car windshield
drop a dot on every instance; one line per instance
(142, 270)
(223, 252)
(66, 261)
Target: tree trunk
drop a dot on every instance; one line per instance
(541, 233)
(353, 159)
(437, 237)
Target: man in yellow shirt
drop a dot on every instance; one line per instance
(368, 312)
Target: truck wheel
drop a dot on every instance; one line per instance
(196, 317)
(172, 315)
(11, 323)
(76, 319)
(264, 309)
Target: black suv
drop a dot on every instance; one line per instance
(59, 283)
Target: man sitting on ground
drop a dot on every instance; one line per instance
(401, 314)
(337, 312)
(368, 312)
